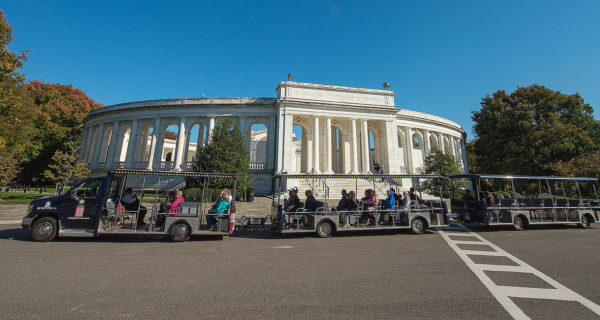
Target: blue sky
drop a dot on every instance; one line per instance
(441, 57)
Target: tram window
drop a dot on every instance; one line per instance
(87, 189)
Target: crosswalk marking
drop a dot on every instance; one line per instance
(504, 293)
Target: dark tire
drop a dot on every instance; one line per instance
(519, 223)
(180, 232)
(417, 226)
(585, 222)
(44, 229)
(325, 229)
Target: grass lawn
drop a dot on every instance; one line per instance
(19, 197)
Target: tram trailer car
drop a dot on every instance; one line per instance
(326, 220)
(94, 207)
(520, 201)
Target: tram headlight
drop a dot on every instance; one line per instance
(29, 209)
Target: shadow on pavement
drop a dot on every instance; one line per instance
(18, 234)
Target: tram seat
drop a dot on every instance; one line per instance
(594, 204)
(188, 209)
(548, 203)
(574, 203)
(533, 203)
(507, 203)
(561, 203)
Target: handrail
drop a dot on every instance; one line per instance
(321, 181)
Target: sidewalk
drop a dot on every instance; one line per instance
(12, 213)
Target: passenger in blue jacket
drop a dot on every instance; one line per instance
(219, 209)
(389, 204)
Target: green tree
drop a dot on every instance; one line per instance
(66, 168)
(438, 162)
(527, 131)
(581, 166)
(59, 112)
(16, 129)
(225, 152)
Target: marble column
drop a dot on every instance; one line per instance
(181, 137)
(211, 127)
(316, 155)
(366, 149)
(153, 145)
(88, 145)
(242, 125)
(132, 145)
(353, 147)
(464, 155)
(328, 146)
(440, 142)
(426, 144)
(112, 148)
(289, 151)
(98, 145)
(281, 141)
(409, 150)
(389, 148)
(271, 144)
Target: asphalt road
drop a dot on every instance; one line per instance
(381, 276)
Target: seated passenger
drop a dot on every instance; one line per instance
(132, 204)
(291, 204)
(176, 198)
(311, 204)
(389, 204)
(349, 205)
(342, 202)
(403, 207)
(173, 207)
(230, 198)
(219, 210)
(413, 196)
(489, 200)
(370, 203)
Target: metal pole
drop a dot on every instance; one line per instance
(596, 193)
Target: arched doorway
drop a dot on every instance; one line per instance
(258, 135)
(300, 145)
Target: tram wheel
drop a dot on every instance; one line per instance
(325, 229)
(585, 222)
(179, 232)
(44, 229)
(417, 226)
(519, 223)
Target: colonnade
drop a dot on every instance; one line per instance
(129, 143)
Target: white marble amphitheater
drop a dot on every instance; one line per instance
(307, 128)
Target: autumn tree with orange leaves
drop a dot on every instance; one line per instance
(38, 119)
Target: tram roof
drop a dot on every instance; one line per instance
(175, 174)
(499, 176)
(358, 176)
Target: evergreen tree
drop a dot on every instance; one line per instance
(438, 162)
(225, 152)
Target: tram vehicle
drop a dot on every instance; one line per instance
(124, 200)
(520, 201)
(324, 216)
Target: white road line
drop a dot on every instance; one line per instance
(504, 293)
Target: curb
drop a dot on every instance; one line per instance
(10, 222)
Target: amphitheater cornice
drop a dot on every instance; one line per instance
(404, 114)
(333, 104)
(333, 88)
(184, 102)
